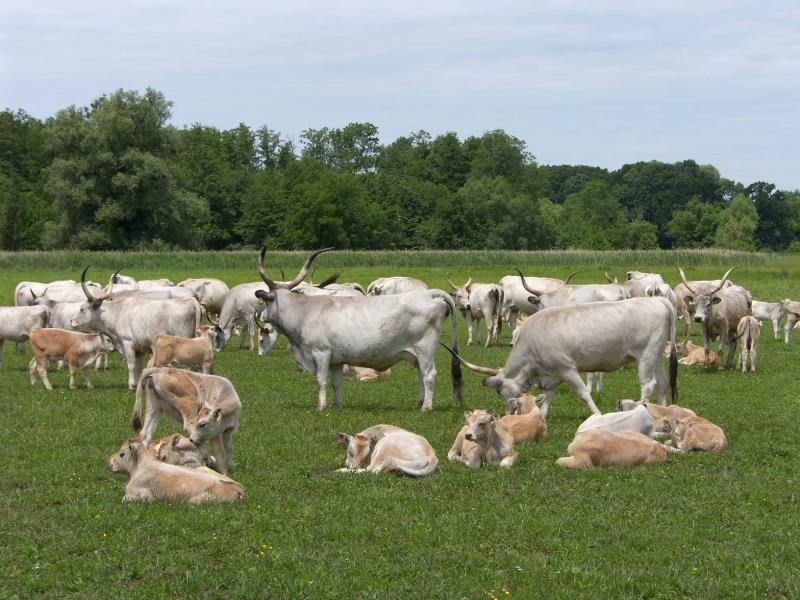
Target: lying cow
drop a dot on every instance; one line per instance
(697, 356)
(748, 330)
(696, 433)
(207, 405)
(185, 352)
(484, 438)
(388, 448)
(364, 373)
(599, 448)
(661, 414)
(524, 404)
(152, 479)
(173, 449)
(638, 419)
(79, 350)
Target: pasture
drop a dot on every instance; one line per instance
(697, 526)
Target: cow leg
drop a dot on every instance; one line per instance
(427, 378)
(731, 352)
(41, 367)
(720, 352)
(73, 368)
(130, 359)
(227, 442)
(658, 382)
(85, 372)
(321, 362)
(138, 366)
(791, 319)
(219, 454)
(151, 416)
(776, 328)
(752, 356)
(575, 381)
(336, 381)
(469, 329)
(548, 398)
(32, 370)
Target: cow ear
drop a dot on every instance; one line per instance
(715, 299)
(534, 300)
(176, 439)
(362, 438)
(342, 439)
(689, 299)
(218, 414)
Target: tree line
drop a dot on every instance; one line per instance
(116, 175)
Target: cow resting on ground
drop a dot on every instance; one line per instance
(326, 332)
(484, 438)
(697, 356)
(187, 353)
(661, 414)
(79, 350)
(638, 419)
(207, 406)
(718, 310)
(152, 479)
(173, 449)
(524, 404)
(388, 448)
(696, 433)
(748, 331)
(480, 301)
(556, 344)
(599, 448)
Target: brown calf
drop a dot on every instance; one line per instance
(696, 433)
(78, 349)
(600, 448)
(185, 352)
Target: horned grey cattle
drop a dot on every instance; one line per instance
(238, 309)
(770, 311)
(209, 291)
(22, 293)
(325, 332)
(719, 310)
(131, 321)
(269, 335)
(793, 315)
(638, 419)
(148, 284)
(573, 294)
(16, 323)
(515, 297)
(386, 286)
(685, 300)
(122, 282)
(553, 348)
(477, 302)
(748, 331)
(639, 285)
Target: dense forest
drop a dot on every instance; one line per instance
(117, 175)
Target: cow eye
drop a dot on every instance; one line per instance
(122, 455)
(201, 425)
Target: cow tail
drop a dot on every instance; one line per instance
(455, 362)
(673, 354)
(198, 317)
(499, 308)
(136, 420)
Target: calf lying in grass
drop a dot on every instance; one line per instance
(661, 414)
(387, 448)
(173, 449)
(524, 404)
(696, 433)
(364, 373)
(637, 419)
(599, 448)
(152, 479)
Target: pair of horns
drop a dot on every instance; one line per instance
(89, 296)
(715, 290)
(455, 287)
(272, 285)
(539, 293)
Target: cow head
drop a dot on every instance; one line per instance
(460, 294)
(704, 301)
(124, 460)
(88, 316)
(207, 425)
(480, 425)
(268, 335)
(268, 298)
(179, 450)
(535, 297)
(359, 449)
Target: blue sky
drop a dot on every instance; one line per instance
(598, 83)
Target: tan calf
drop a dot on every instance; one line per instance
(524, 404)
(185, 352)
(484, 438)
(388, 448)
(364, 373)
(696, 433)
(661, 414)
(698, 357)
(207, 406)
(600, 448)
(748, 330)
(152, 479)
(77, 349)
(173, 449)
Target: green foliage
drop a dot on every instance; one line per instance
(593, 218)
(738, 225)
(695, 226)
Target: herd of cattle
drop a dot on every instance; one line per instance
(559, 331)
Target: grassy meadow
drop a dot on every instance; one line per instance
(697, 526)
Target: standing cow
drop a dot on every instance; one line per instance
(770, 311)
(480, 301)
(16, 323)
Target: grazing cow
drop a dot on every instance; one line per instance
(187, 353)
(152, 479)
(388, 286)
(172, 449)
(480, 301)
(484, 438)
(718, 310)
(748, 331)
(268, 335)
(326, 332)
(696, 433)
(77, 349)
(599, 448)
(209, 291)
(661, 414)
(515, 297)
(207, 406)
(132, 320)
(388, 448)
(770, 311)
(638, 419)
(792, 308)
(364, 374)
(16, 323)
(237, 309)
(553, 348)
(684, 299)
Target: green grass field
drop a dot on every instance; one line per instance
(698, 526)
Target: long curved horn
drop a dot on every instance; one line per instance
(469, 365)
(329, 280)
(570, 276)
(525, 284)
(306, 266)
(452, 285)
(270, 284)
(33, 295)
(608, 278)
(724, 279)
(262, 326)
(685, 282)
(469, 281)
(208, 317)
(85, 287)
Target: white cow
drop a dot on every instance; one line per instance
(16, 323)
(770, 311)
(209, 291)
(748, 330)
(638, 419)
(386, 286)
(515, 297)
(480, 301)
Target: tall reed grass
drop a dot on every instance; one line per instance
(76, 260)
